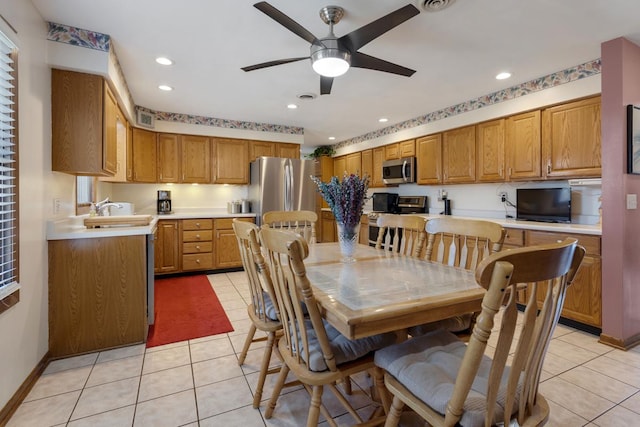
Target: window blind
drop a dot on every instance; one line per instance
(8, 168)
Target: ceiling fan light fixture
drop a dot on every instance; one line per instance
(331, 62)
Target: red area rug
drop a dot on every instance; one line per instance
(186, 308)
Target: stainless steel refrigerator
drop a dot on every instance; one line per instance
(279, 184)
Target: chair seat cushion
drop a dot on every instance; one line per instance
(344, 349)
(428, 366)
(269, 307)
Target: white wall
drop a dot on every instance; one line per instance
(24, 327)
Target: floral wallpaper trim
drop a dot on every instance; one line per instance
(78, 37)
(577, 72)
(223, 123)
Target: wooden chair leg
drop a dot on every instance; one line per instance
(381, 390)
(346, 384)
(314, 407)
(264, 369)
(247, 344)
(284, 371)
(393, 417)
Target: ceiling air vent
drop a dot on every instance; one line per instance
(433, 5)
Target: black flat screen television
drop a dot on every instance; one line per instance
(544, 204)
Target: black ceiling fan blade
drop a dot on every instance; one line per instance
(286, 22)
(325, 85)
(363, 35)
(361, 60)
(272, 63)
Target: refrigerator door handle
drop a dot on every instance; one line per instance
(288, 185)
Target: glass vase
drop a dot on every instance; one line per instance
(348, 239)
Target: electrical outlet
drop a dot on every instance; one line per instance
(503, 196)
(56, 206)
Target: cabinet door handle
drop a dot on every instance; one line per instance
(198, 236)
(198, 247)
(549, 168)
(197, 261)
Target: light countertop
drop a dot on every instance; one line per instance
(73, 227)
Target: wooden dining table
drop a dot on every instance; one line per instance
(383, 292)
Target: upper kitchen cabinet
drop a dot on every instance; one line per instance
(196, 159)
(400, 149)
(168, 157)
(123, 150)
(367, 164)
(144, 153)
(459, 155)
(378, 158)
(84, 124)
(339, 166)
(290, 151)
(523, 146)
(429, 159)
(571, 139)
(230, 161)
(261, 149)
(490, 151)
(354, 163)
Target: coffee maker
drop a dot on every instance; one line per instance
(164, 202)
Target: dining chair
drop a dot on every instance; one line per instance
(449, 383)
(317, 354)
(460, 243)
(262, 311)
(302, 222)
(404, 234)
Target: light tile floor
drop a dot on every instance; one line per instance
(199, 382)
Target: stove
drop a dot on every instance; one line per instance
(406, 205)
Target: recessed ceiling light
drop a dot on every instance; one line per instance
(165, 87)
(383, 120)
(292, 106)
(332, 138)
(503, 75)
(163, 61)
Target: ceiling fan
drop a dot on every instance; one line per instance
(332, 56)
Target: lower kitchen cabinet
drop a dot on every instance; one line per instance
(166, 247)
(97, 294)
(227, 253)
(329, 233)
(583, 302)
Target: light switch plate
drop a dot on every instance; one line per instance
(632, 201)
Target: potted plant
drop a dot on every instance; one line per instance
(323, 150)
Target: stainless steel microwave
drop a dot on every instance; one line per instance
(401, 171)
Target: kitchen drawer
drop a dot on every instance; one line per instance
(514, 237)
(202, 261)
(197, 247)
(590, 243)
(227, 223)
(197, 236)
(197, 224)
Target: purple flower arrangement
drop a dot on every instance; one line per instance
(345, 198)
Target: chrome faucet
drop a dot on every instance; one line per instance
(102, 208)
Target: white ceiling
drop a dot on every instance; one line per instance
(456, 52)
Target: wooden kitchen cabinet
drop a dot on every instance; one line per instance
(329, 233)
(354, 163)
(197, 244)
(290, 151)
(83, 124)
(261, 149)
(523, 146)
(196, 159)
(323, 171)
(572, 140)
(376, 177)
(339, 166)
(227, 253)
(363, 236)
(168, 157)
(123, 149)
(97, 294)
(167, 247)
(459, 155)
(367, 164)
(490, 151)
(230, 161)
(583, 302)
(429, 159)
(144, 153)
